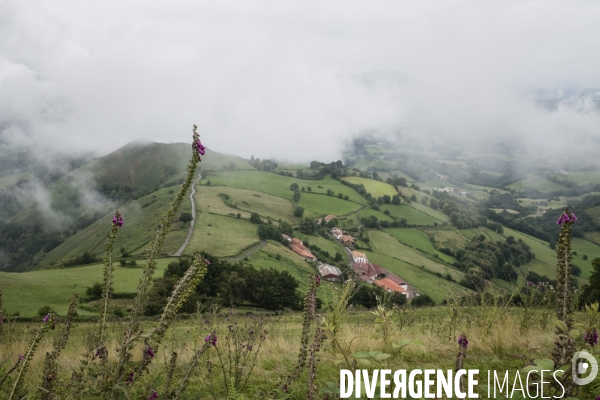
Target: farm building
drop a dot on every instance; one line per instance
(326, 218)
(347, 241)
(337, 232)
(330, 273)
(369, 270)
(387, 284)
(286, 237)
(299, 248)
(359, 257)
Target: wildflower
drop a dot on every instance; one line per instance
(462, 341)
(529, 283)
(46, 318)
(118, 220)
(149, 352)
(564, 217)
(591, 338)
(211, 339)
(207, 262)
(153, 396)
(130, 379)
(21, 357)
(201, 149)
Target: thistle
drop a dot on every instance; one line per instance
(463, 343)
(50, 364)
(133, 331)
(564, 346)
(310, 305)
(49, 323)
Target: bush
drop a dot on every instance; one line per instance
(45, 310)
(255, 218)
(185, 217)
(423, 301)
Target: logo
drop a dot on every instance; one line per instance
(580, 367)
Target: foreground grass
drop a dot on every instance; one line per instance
(498, 340)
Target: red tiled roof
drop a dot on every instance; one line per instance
(389, 285)
(301, 251)
(394, 278)
(347, 238)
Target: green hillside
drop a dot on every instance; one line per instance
(28, 291)
(141, 219)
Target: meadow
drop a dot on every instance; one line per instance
(497, 341)
(26, 293)
(419, 240)
(376, 188)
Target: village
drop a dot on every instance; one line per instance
(364, 270)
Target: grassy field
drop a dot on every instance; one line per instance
(26, 292)
(367, 212)
(581, 178)
(450, 238)
(593, 237)
(419, 240)
(327, 245)
(412, 214)
(584, 247)
(537, 183)
(246, 201)
(423, 280)
(384, 244)
(319, 204)
(289, 261)
(471, 233)
(141, 217)
(279, 185)
(494, 347)
(376, 188)
(437, 214)
(221, 236)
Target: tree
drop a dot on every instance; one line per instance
(423, 301)
(413, 198)
(207, 183)
(255, 218)
(386, 199)
(309, 188)
(308, 226)
(396, 199)
(294, 186)
(298, 212)
(296, 197)
(185, 217)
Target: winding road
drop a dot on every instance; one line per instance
(249, 252)
(189, 236)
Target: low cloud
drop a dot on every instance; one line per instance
(297, 80)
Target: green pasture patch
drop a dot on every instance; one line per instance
(246, 202)
(376, 188)
(437, 214)
(593, 237)
(141, 219)
(27, 292)
(584, 247)
(450, 238)
(537, 183)
(419, 240)
(320, 204)
(383, 243)
(471, 233)
(413, 215)
(222, 236)
(581, 178)
(423, 280)
(508, 210)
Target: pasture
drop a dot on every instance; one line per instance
(413, 215)
(26, 292)
(221, 236)
(376, 188)
(419, 240)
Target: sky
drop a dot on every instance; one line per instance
(296, 80)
